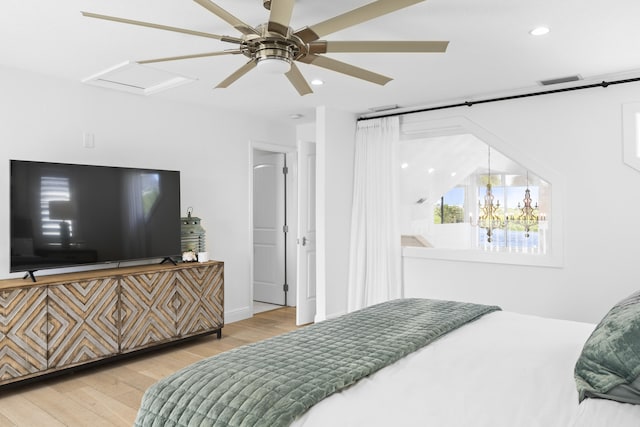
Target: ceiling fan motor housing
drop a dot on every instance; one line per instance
(272, 46)
(274, 50)
(271, 53)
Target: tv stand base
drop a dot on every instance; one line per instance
(168, 259)
(30, 274)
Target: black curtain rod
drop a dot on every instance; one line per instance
(504, 98)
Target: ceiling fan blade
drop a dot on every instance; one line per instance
(237, 74)
(162, 27)
(341, 67)
(226, 16)
(322, 46)
(353, 17)
(197, 55)
(280, 16)
(297, 80)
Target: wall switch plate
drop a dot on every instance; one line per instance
(88, 140)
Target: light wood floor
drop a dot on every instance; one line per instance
(109, 395)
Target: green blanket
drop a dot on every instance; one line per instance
(272, 382)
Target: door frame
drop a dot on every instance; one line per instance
(291, 153)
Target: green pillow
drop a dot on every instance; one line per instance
(609, 365)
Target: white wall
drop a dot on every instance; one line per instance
(335, 144)
(44, 119)
(578, 135)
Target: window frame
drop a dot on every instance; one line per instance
(416, 127)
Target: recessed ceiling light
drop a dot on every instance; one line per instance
(295, 116)
(317, 82)
(404, 165)
(539, 31)
(431, 170)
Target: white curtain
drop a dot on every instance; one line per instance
(375, 258)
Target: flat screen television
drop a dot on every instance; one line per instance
(65, 215)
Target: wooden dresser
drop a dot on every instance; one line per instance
(67, 320)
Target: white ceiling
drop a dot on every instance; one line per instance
(490, 51)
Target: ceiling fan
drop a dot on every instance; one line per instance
(276, 47)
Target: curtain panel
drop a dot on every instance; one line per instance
(375, 253)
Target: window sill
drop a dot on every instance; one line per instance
(470, 255)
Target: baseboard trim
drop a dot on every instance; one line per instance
(238, 314)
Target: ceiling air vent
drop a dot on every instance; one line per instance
(559, 80)
(384, 108)
(135, 78)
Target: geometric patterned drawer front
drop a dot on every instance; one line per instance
(83, 321)
(199, 299)
(147, 310)
(23, 335)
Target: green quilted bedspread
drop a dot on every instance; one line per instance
(271, 382)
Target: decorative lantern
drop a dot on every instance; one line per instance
(192, 233)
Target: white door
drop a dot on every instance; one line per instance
(306, 298)
(268, 227)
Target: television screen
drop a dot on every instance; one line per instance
(66, 215)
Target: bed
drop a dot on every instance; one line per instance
(462, 365)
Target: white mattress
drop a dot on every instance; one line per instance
(505, 369)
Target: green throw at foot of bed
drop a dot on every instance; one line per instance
(272, 382)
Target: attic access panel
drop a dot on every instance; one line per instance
(136, 78)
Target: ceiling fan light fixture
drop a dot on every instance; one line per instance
(274, 58)
(274, 65)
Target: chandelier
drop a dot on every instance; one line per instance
(490, 215)
(529, 215)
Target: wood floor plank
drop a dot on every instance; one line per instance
(71, 413)
(22, 412)
(131, 399)
(105, 407)
(6, 422)
(132, 377)
(110, 395)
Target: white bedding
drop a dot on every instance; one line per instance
(505, 369)
(606, 413)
